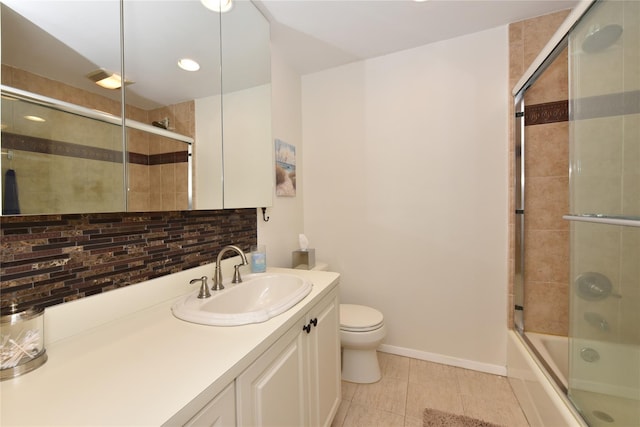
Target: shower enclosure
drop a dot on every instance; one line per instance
(578, 214)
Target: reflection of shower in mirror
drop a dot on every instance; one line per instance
(599, 38)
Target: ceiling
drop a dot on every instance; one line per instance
(316, 35)
(312, 35)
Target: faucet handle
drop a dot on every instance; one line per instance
(204, 288)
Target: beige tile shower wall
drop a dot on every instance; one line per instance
(167, 186)
(66, 184)
(181, 120)
(168, 182)
(546, 237)
(158, 187)
(139, 195)
(181, 117)
(181, 184)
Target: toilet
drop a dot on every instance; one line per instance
(361, 332)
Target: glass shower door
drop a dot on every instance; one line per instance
(604, 354)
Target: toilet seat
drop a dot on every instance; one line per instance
(359, 318)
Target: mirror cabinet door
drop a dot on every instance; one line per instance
(60, 160)
(172, 56)
(63, 144)
(246, 103)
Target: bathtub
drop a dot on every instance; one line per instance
(554, 351)
(543, 401)
(605, 381)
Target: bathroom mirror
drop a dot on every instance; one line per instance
(172, 56)
(245, 102)
(54, 160)
(53, 49)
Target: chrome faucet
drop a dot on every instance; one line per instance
(217, 278)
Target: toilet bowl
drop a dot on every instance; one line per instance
(361, 332)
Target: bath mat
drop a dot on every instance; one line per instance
(435, 418)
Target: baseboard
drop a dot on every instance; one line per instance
(445, 360)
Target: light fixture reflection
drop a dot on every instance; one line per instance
(218, 5)
(35, 119)
(106, 79)
(188, 64)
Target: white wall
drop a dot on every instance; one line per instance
(280, 234)
(406, 180)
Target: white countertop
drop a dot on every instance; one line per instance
(143, 366)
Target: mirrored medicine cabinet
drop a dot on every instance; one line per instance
(162, 137)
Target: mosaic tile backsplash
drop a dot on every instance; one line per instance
(51, 259)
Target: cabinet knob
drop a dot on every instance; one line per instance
(314, 321)
(307, 328)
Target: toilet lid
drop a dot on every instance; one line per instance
(359, 318)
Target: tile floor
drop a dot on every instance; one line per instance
(410, 385)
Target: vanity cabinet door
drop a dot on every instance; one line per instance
(296, 382)
(323, 350)
(271, 392)
(220, 412)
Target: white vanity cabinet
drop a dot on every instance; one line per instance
(269, 373)
(220, 412)
(323, 359)
(272, 390)
(296, 382)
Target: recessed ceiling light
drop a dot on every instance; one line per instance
(35, 119)
(188, 64)
(218, 5)
(107, 79)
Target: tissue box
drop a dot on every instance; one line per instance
(303, 259)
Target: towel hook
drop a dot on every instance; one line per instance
(265, 218)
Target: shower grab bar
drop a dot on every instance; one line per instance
(603, 219)
(91, 114)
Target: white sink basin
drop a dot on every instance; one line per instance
(257, 299)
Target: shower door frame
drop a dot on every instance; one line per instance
(519, 188)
